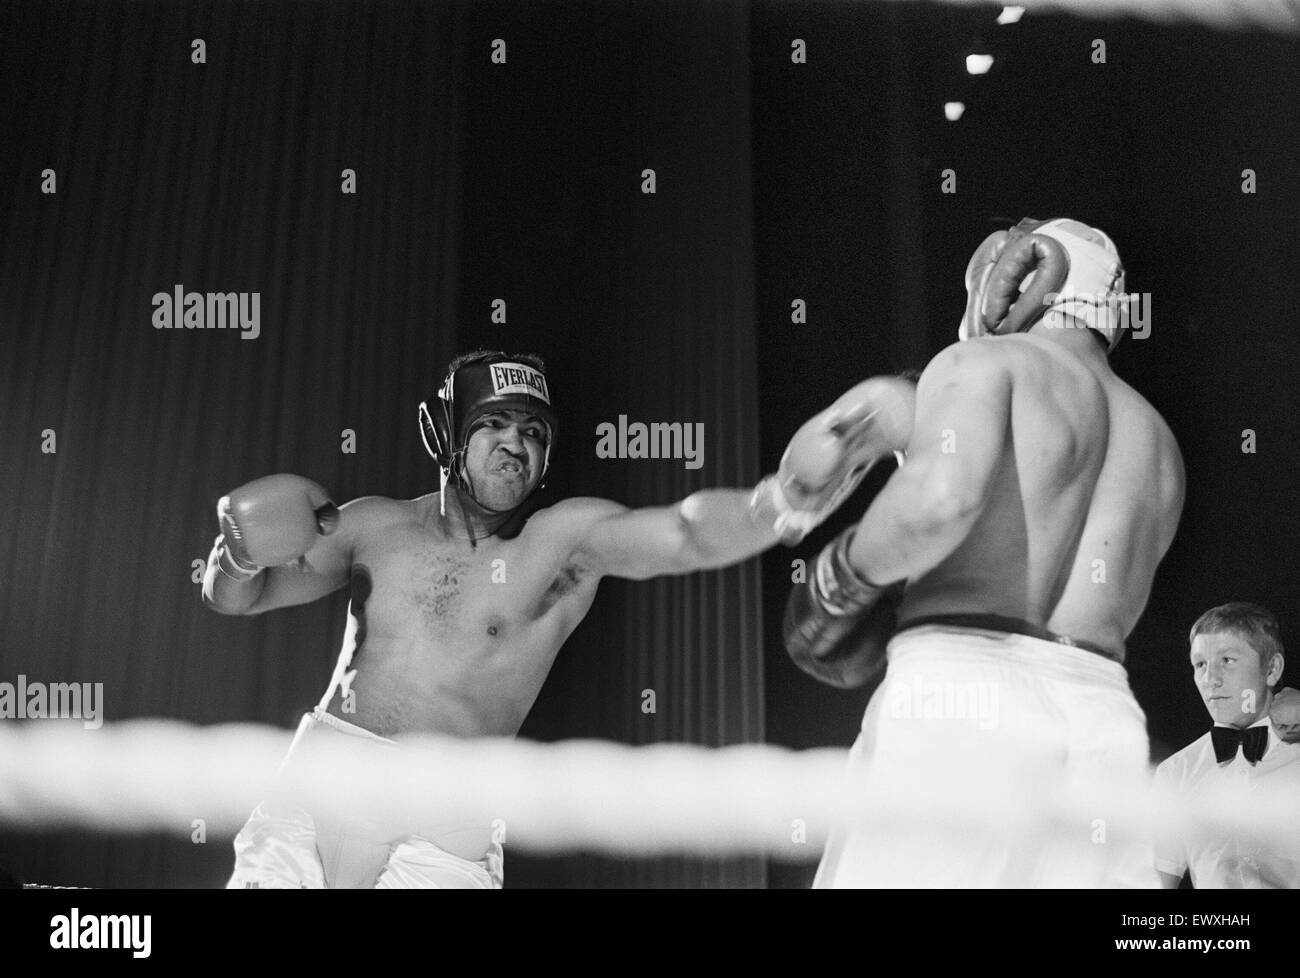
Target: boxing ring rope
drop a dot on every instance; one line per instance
(154, 775)
(1281, 16)
(162, 776)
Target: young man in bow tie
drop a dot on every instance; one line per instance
(1236, 661)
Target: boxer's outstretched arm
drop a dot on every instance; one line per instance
(321, 571)
(825, 460)
(708, 529)
(930, 504)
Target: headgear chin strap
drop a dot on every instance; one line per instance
(1015, 277)
(466, 395)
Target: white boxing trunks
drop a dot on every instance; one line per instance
(283, 847)
(1024, 716)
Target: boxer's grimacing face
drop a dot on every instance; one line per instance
(1231, 679)
(504, 457)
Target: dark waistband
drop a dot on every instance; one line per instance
(1014, 626)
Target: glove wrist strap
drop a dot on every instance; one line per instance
(769, 507)
(231, 566)
(841, 587)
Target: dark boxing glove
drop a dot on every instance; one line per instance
(837, 624)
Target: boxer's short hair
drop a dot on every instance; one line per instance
(1255, 625)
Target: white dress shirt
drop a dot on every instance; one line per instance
(1229, 863)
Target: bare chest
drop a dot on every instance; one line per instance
(417, 585)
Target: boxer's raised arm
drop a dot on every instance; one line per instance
(322, 570)
(282, 543)
(930, 504)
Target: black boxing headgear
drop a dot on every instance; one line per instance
(468, 393)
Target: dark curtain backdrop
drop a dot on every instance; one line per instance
(476, 182)
(645, 306)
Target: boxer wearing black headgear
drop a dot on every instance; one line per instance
(459, 605)
(475, 389)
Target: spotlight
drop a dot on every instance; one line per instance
(1010, 15)
(979, 64)
(952, 110)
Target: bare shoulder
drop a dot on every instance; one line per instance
(1135, 401)
(1141, 413)
(575, 515)
(369, 513)
(566, 530)
(1044, 371)
(381, 507)
(974, 372)
(985, 354)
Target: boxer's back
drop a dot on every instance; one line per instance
(1084, 505)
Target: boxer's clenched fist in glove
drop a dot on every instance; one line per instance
(837, 624)
(272, 521)
(831, 454)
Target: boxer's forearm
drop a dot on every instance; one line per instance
(708, 529)
(719, 530)
(910, 527)
(226, 594)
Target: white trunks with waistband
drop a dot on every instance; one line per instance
(1021, 716)
(283, 846)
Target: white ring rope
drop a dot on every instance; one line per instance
(153, 775)
(1282, 16)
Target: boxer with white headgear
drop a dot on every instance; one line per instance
(1060, 270)
(1009, 557)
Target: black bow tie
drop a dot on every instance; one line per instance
(1253, 741)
